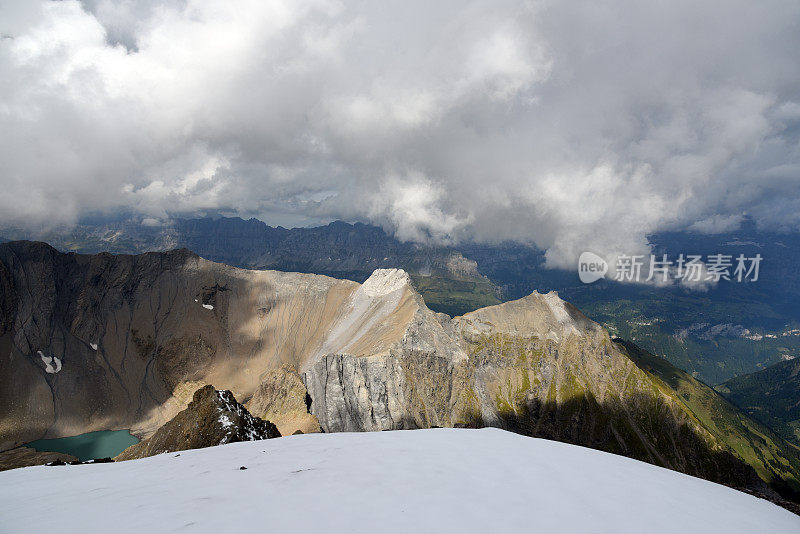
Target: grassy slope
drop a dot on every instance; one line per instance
(455, 296)
(772, 396)
(774, 459)
(602, 404)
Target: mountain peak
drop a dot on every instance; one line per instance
(384, 281)
(545, 315)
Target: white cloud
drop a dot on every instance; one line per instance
(574, 125)
(717, 224)
(411, 206)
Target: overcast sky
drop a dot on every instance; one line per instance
(573, 125)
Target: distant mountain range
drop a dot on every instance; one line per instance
(450, 282)
(731, 329)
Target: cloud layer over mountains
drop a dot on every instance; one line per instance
(574, 125)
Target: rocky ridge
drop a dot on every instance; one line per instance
(26, 457)
(135, 335)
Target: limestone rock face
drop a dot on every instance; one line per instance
(443, 372)
(373, 393)
(212, 418)
(405, 383)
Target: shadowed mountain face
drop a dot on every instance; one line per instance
(771, 396)
(99, 342)
(94, 342)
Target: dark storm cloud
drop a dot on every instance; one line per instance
(574, 125)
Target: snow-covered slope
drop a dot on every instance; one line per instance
(439, 480)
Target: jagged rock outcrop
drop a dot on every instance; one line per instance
(283, 399)
(212, 418)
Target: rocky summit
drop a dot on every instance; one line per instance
(212, 418)
(92, 342)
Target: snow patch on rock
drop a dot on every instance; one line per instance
(230, 406)
(208, 306)
(224, 420)
(49, 361)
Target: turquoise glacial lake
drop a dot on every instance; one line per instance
(89, 446)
